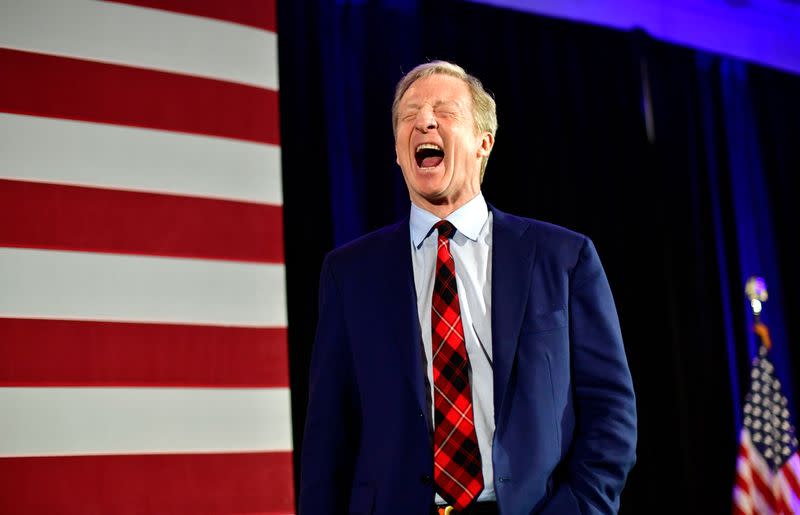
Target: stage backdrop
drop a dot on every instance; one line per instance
(143, 353)
(680, 164)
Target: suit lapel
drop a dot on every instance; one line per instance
(398, 289)
(513, 253)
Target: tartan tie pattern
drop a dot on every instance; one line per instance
(457, 461)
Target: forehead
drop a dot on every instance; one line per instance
(437, 88)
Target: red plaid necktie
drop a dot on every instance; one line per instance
(456, 457)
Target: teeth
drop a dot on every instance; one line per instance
(430, 146)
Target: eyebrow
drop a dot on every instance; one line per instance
(438, 103)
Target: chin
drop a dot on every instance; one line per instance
(432, 181)
(432, 171)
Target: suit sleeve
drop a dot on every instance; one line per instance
(330, 438)
(604, 446)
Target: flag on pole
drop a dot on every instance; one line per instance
(767, 467)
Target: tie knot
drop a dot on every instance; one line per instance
(445, 228)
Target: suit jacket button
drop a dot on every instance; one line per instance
(426, 479)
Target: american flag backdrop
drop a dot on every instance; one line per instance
(143, 352)
(768, 466)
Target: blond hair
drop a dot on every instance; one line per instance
(484, 109)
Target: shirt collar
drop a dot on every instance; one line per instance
(468, 220)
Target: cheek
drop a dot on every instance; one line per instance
(401, 152)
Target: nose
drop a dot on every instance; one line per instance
(426, 120)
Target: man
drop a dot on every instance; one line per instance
(475, 363)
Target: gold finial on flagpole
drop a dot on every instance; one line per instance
(756, 291)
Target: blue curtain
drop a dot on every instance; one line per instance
(366, 46)
(733, 128)
(756, 245)
(684, 199)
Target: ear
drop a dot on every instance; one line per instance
(396, 155)
(487, 142)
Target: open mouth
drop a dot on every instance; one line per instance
(429, 155)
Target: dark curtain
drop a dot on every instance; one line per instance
(776, 106)
(681, 166)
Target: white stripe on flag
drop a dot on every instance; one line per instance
(91, 154)
(743, 501)
(147, 38)
(84, 421)
(110, 287)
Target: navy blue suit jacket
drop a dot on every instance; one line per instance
(564, 405)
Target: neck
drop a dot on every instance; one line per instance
(444, 207)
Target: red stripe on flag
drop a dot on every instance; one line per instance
(743, 451)
(781, 505)
(196, 484)
(63, 217)
(78, 353)
(255, 13)
(61, 87)
(791, 479)
(763, 486)
(742, 484)
(739, 511)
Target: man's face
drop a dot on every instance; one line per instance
(436, 143)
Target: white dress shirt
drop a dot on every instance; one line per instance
(471, 247)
